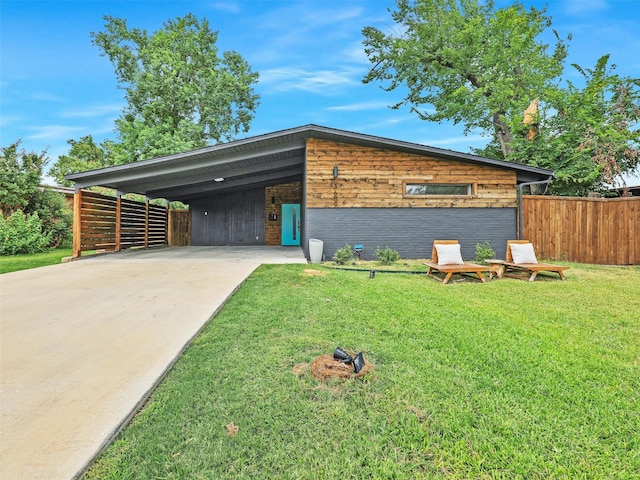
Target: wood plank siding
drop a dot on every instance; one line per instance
(369, 177)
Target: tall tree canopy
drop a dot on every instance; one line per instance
(84, 155)
(466, 61)
(20, 174)
(476, 66)
(589, 136)
(180, 93)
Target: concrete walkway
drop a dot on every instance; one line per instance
(84, 343)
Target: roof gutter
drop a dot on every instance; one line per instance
(520, 186)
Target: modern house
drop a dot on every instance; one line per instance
(289, 186)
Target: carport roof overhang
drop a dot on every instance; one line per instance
(269, 159)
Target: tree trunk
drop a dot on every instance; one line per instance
(503, 134)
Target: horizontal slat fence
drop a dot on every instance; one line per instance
(584, 230)
(97, 222)
(157, 231)
(133, 218)
(111, 224)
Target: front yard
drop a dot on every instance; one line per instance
(14, 263)
(502, 380)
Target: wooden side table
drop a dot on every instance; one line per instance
(496, 268)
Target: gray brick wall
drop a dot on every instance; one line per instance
(410, 231)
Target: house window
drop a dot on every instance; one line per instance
(463, 189)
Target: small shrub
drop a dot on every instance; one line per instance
(484, 252)
(387, 256)
(343, 255)
(22, 233)
(55, 215)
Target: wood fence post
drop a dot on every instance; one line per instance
(118, 245)
(77, 223)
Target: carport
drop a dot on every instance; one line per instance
(235, 192)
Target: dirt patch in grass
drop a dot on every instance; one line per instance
(325, 366)
(314, 273)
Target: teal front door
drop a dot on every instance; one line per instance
(290, 224)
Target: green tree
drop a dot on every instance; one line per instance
(473, 64)
(484, 67)
(84, 155)
(181, 94)
(55, 214)
(20, 174)
(589, 136)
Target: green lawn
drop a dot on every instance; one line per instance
(502, 380)
(13, 263)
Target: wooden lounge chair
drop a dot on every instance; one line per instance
(448, 269)
(527, 267)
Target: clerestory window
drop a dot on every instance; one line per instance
(425, 189)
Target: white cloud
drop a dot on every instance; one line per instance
(47, 97)
(56, 132)
(229, 7)
(313, 34)
(12, 120)
(457, 140)
(92, 111)
(308, 16)
(585, 6)
(359, 107)
(354, 52)
(314, 81)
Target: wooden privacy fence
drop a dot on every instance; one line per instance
(179, 228)
(584, 230)
(109, 223)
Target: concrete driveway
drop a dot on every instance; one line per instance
(84, 343)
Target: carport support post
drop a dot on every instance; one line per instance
(167, 206)
(118, 245)
(146, 223)
(77, 223)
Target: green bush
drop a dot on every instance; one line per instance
(22, 233)
(343, 255)
(484, 252)
(387, 256)
(55, 214)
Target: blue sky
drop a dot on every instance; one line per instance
(55, 86)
